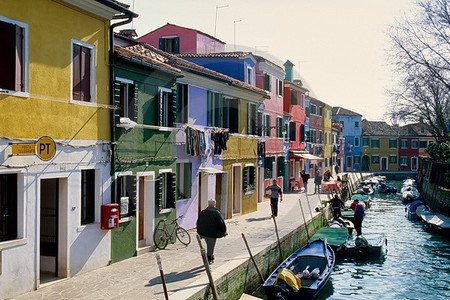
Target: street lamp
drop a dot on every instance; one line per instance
(234, 24)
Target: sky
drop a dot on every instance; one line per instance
(339, 47)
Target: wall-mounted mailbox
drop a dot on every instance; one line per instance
(109, 216)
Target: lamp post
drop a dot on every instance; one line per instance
(215, 23)
(234, 24)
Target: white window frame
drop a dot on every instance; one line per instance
(355, 144)
(165, 121)
(24, 26)
(401, 144)
(250, 76)
(128, 83)
(417, 144)
(405, 158)
(92, 72)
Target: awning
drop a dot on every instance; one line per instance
(306, 155)
(210, 170)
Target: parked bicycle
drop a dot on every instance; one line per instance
(170, 232)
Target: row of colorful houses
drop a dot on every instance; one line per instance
(157, 125)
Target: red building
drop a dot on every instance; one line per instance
(413, 139)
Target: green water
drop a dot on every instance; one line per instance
(416, 265)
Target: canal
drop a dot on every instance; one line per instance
(416, 265)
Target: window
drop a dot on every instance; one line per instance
(268, 167)
(342, 124)
(249, 179)
(292, 131)
(183, 103)
(393, 159)
(8, 207)
(422, 144)
(349, 163)
(279, 87)
(392, 143)
(313, 134)
(356, 141)
(375, 143)
(128, 98)
(250, 76)
(126, 195)
(294, 97)
(279, 127)
(375, 159)
(414, 144)
(252, 120)
(281, 166)
(87, 196)
(301, 134)
(267, 83)
(83, 71)
(403, 161)
(356, 159)
(268, 126)
(320, 111)
(165, 189)
(170, 44)
(422, 130)
(365, 142)
(13, 55)
(356, 124)
(184, 182)
(414, 163)
(313, 109)
(166, 111)
(320, 137)
(230, 114)
(215, 109)
(404, 144)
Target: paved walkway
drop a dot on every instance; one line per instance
(139, 278)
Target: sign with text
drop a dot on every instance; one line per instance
(44, 148)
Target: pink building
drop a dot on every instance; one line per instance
(177, 39)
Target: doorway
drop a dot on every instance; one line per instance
(237, 189)
(384, 163)
(49, 230)
(365, 163)
(146, 211)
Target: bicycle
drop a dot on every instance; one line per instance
(163, 235)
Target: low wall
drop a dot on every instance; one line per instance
(244, 278)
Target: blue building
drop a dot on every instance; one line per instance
(351, 129)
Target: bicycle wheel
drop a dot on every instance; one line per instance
(161, 238)
(183, 236)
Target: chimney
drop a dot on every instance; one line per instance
(289, 68)
(129, 33)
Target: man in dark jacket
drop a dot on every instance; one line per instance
(210, 226)
(305, 177)
(317, 182)
(336, 204)
(275, 192)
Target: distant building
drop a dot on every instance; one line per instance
(413, 139)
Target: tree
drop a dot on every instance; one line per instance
(421, 57)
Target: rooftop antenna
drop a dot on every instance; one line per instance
(234, 23)
(215, 23)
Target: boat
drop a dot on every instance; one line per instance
(364, 190)
(366, 245)
(340, 222)
(385, 189)
(315, 255)
(436, 221)
(336, 235)
(413, 208)
(409, 182)
(409, 194)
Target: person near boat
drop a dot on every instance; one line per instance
(337, 204)
(358, 216)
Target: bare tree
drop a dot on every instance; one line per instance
(421, 58)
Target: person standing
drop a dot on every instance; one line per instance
(337, 205)
(358, 216)
(275, 192)
(327, 175)
(210, 227)
(336, 169)
(305, 177)
(317, 182)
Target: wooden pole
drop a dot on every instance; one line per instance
(303, 214)
(278, 237)
(161, 273)
(208, 270)
(251, 257)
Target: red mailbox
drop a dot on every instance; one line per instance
(109, 216)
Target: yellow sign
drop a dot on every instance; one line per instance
(23, 149)
(45, 148)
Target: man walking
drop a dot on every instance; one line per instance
(305, 178)
(275, 192)
(317, 182)
(211, 226)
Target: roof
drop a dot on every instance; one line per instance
(340, 111)
(237, 54)
(119, 6)
(179, 63)
(146, 56)
(414, 129)
(262, 59)
(198, 31)
(378, 128)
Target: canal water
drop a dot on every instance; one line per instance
(416, 265)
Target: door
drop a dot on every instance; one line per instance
(365, 163)
(221, 194)
(384, 163)
(146, 210)
(141, 211)
(49, 229)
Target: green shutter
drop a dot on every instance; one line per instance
(136, 104)
(218, 110)
(162, 45)
(171, 189)
(158, 192)
(176, 45)
(160, 110)
(173, 108)
(209, 108)
(188, 179)
(259, 119)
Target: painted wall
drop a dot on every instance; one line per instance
(383, 151)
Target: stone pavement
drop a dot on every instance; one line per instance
(139, 278)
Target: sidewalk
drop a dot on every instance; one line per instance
(139, 278)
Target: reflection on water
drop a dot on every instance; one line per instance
(416, 265)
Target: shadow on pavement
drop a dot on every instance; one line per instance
(258, 219)
(175, 276)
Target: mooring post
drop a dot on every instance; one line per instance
(161, 273)
(303, 214)
(278, 237)
(208, 270)
(253, 260)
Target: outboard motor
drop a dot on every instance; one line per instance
(361, 244)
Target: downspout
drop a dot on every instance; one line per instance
(111, 94)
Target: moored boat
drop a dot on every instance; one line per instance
(335, 233)
(436, 221)
(366, 245)
(414, 207)
(290, 281)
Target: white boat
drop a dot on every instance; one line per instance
(410, 194)
(436, 221)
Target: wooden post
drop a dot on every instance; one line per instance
(161, 273)
(303, 214)
(251, 257)
(278, 237)
(208, 270)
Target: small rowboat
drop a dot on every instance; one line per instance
(316, 254)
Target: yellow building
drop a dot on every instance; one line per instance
(327, 137)
(55, 136)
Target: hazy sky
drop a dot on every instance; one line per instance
(338, 46)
